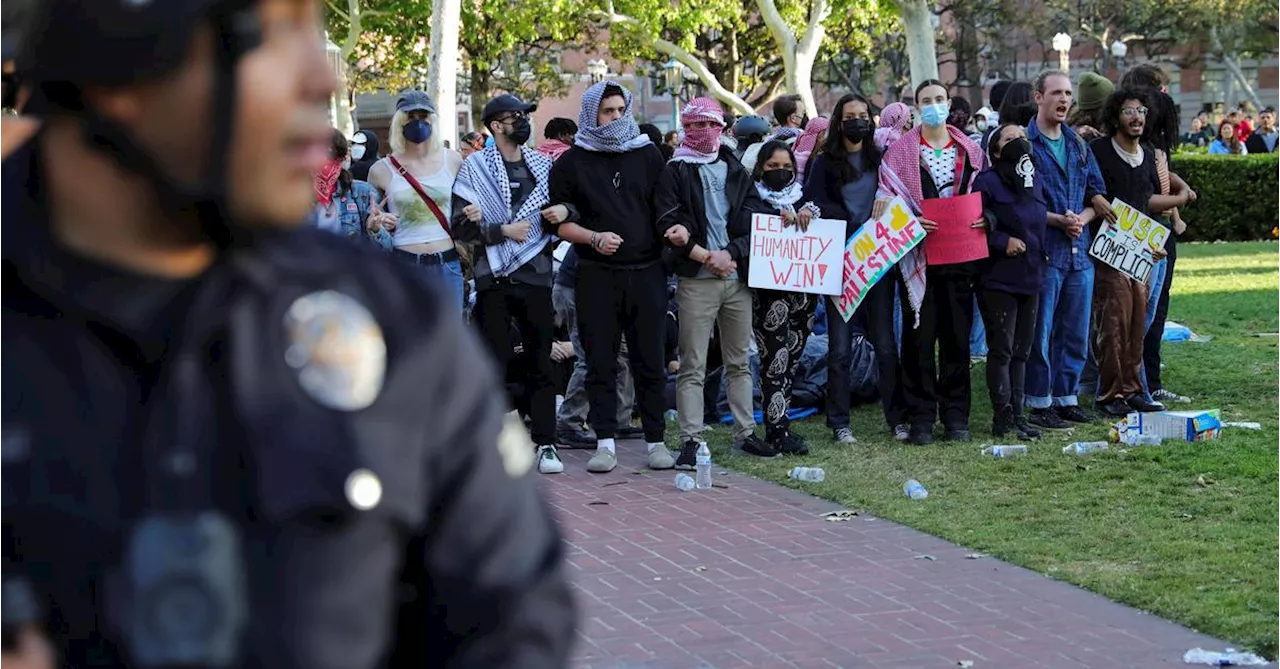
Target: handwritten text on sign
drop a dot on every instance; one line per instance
(784, 258)
(1129, 244)
(873, 250)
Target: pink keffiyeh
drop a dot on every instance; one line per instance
(900, 176)
(700, 145)
(808, 143)
(552, 148)
(893, 122)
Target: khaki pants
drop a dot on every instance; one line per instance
(703, 302)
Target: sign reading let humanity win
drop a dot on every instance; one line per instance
(1129, 244)
(786, 258)
(873, 249)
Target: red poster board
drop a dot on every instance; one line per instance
(954, 241)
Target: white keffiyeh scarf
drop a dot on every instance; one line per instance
(483, 182)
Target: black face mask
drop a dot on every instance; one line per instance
(1016, 167)
(856, 129)
(777, 180)
(520, 131)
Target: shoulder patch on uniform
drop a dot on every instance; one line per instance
(515, 446)
(336, 348)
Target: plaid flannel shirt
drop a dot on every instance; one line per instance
(1069, 189)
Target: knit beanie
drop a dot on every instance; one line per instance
(1094, 89)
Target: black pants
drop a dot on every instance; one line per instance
(1155, 335)
(1011, 330)
(939, 391)
(781, 321)
(530, 307)
(876, 311)
(633, 303)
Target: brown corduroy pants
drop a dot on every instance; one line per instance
(1119, 317)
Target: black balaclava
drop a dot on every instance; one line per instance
(360, 168)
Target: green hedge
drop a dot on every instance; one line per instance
(1237, 196)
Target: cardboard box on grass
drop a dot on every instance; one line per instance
(1183, 425)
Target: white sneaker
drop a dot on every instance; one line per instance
(843, 435)
(549, 461)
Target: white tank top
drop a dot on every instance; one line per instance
(418, 225)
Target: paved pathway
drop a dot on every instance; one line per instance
(748, 576)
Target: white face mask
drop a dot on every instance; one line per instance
(981, 125)
(357, 151)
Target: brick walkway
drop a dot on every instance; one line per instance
(748, 576)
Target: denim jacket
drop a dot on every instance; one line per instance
(1064, 190)
(353, 211)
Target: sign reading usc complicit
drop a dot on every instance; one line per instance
(1130, 244)
(873, 249)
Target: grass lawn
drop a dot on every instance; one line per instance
(1185, 531)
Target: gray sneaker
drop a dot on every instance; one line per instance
(603, 461)
(1170, 397)
(661, 458)
(901, 432)
(843, 435)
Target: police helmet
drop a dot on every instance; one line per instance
(72, 45)
(751, 125)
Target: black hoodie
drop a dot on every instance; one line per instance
(360, 168)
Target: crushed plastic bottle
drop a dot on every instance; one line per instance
(810, 474)
(1011, 451)
(1141, 439)
(913, 489)
(671, 415)
(1243, 425)
(702, 466)
(1084, 447)
(685, 482)
(1228, 658)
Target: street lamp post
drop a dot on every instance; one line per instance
(674, 73)
(1062, 44)
(1119, 50)
(333, 53)
(597, 69)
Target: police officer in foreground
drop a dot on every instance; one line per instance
(228, 441)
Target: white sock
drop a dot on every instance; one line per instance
(653, 446)
(605, 445)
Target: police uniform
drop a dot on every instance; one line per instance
(368, 504)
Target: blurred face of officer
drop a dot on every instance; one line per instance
(281, 131)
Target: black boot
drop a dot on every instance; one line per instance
(1023, 428)
(1002, 421)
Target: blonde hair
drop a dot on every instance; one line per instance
(396, 133)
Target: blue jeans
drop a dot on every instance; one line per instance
(1155, 286)
(1062, 338)
(443, 276)
(977, 333)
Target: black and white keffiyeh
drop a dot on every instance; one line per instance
(483, 181)
(620, 136)
(786, 199)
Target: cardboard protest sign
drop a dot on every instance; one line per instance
(956, 240)
(873, 249)
(784, 258)
(1129, 245)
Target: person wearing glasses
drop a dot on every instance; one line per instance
(472, 142)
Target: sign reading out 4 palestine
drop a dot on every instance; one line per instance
(873, 249)
(784, 258)
(1129, 244)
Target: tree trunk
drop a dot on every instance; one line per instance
(1233, 66)
(442, 66)
(479, 93)
(345, 118)
(798, 55)
(918, 28)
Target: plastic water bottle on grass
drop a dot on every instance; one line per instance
(913, 489)
(1014, 451)
(1084, 447)
(810, 474)
(703, 466)
(684, 482)
(1145, 440)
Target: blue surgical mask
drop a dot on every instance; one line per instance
(417, 131)
(936, 114)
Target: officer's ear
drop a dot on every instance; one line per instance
(123, 105)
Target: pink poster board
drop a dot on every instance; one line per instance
(954, 241)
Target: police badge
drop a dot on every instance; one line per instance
(337, 349)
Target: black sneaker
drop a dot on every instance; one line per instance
(1140, 404)
(958, 434)
(574, 436)
(790, 444)
(1073, 414)
(1048, 418)
(1024, 429)
(1115, 408)
(688, 460)
(921, 436)
(631, 432)
(1002, 421)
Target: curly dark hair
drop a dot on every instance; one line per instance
(1162, 121)
(1111, 110)
(833, 148)
(766, 152)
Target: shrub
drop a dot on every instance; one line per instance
(1236, 195)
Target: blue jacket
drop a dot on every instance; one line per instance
(353, 211)
(1069, 189)
(1010, 215)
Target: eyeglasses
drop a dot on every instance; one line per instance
(1128, 112)
(513, 117)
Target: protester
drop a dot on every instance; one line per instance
(961, 115)
(1128, 169)
(749, 132)
(343, 204)
(842, 183)
(782, 320)
(1263, 139)
(559, 134)
(364, 153)
(472, 142)
(1014, 206)
(789, 114)
(655, 135)
(1086, 119)
(934, 161)
(672, 139)
(417, 178)
(498, 198)
(706, 199)
(895, 120)
(815, 135)
(1018, 106)
(602, 193)
(1228, 141)
(995, 98)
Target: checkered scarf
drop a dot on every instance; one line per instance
(620, 136)
(699, 109)
(483, 181)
